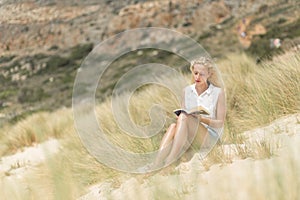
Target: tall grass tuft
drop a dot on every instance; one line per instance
(258, 94)
(35, 129)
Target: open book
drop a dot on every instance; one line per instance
(200, 110)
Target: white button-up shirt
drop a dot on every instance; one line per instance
(207, 99)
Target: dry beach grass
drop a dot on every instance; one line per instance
(266, 165)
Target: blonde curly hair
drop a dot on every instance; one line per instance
(214, 77)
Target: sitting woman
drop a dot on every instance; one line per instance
(200, 131)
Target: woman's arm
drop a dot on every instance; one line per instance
(220, 115)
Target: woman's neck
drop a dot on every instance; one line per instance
(201, 88)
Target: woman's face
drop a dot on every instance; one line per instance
(200, 74)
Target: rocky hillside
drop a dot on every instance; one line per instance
(42, 43)
(35, 26)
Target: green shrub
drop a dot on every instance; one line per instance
(260, 46)
(57, 61)
(31, 95)
(81, 51)
(6, 94)
(4, 59)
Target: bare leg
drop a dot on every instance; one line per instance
(189, 134)
(180, 138)
(188, 131)
(168, 137)
(197, 133)
(165, 145)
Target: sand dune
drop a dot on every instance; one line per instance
(275, 177)
(15, 169)
(242, 179)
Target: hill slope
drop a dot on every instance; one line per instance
(42, 43)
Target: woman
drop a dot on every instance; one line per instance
(196, 130)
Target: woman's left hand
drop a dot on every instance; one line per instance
(197, 116)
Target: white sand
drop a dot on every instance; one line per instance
(21, 162)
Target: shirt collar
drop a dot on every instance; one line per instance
(208, 91)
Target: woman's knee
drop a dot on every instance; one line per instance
(182, 117)
(171, 131)
(172, 126)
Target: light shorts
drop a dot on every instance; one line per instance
(213, 133)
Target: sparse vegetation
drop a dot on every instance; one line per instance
(5, 59)
(261, 47)
(61, 69)
(56, 62)
(31, 95)
(79, 52)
